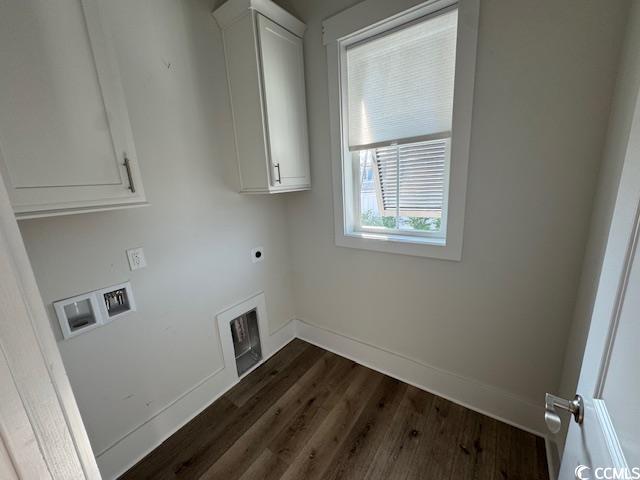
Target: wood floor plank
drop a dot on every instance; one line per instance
(476, 453)
(341, 383)
(541, 459)
(395, 455)
(288, 443)
(310, 414)
(158, 463)
(522, 458)
(359, 449)
(444, 425)
(192, 463)
(265, 373)
(516, 455)
(503, 451)
(318, 453)
(233, 463)
(161, 463)
(268, 466)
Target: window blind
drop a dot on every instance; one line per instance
(400, 85)
(421, 187)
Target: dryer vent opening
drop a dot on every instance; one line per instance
(246, 341)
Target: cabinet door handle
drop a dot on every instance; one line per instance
(127, 166)
(279, 179)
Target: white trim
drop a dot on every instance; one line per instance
(132, 447)
(230, 11)
(77, 210)
(609, 435)
(39, 379)
(370, 18)
(18, 437)
(480, 397)
(619, 303)
(405, 245)
(396, 235)
(163, 409)
(370, 13)
(486, 399)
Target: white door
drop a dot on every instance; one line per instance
(609, 437)
(285, 98)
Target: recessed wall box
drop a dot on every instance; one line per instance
(242, 330)
(78, 314)
(246, 341)
(85, 312)
(116, 300)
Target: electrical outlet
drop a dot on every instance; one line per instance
(257, 254)
(136, 258)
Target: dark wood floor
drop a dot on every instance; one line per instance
(310, 414)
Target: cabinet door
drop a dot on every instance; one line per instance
(286, 111)
(64, 128)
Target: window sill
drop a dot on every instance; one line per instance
(400, 244)
(393, 237)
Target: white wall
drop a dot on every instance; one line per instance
(626, 91)
(500, 316)
(197, 234)
(545, 73)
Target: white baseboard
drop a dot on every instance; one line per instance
(131, 448)
(486, 399)
(477, 396)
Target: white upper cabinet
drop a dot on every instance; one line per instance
(265, 69)
(65, 140)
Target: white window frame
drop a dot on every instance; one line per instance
(365, 20)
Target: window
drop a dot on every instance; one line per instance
(399, 87)
(403, 188)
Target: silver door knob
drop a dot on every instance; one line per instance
(551, 417)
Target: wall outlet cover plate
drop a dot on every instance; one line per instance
(136, 258)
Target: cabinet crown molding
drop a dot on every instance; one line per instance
(231, 10)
